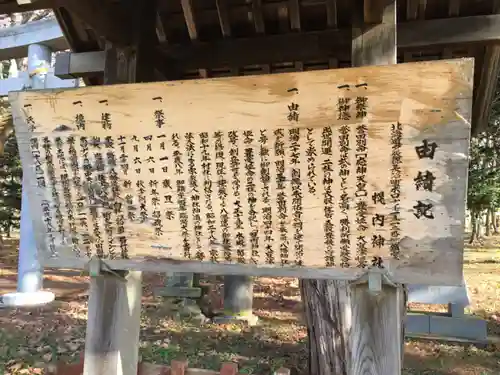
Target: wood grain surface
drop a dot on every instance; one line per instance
(272, 174)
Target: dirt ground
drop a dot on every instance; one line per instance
(56, 332)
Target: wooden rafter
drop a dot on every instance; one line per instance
(331, 22)
(225, 25)
(160, 29)
(258, 19)
(331, 13)
(187, 9)
(294, 11)
(260, 27)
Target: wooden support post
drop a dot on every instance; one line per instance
(380, 318)
(353, 331)
(113, 325)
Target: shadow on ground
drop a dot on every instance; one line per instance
(57, 332)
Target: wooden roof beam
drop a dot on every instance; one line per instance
(308, 46)
(331, 43)
(108, 20)
(459, 30)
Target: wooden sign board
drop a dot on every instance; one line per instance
(318, 174)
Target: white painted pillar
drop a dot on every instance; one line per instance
(39, 59)
(30, 271)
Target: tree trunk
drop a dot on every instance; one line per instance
(493, 221)
(488, 223)
(330, 307)
(478, 226)
(346, 324)
(326, 327)
(473, 224)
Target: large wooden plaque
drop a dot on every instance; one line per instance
(318, 174)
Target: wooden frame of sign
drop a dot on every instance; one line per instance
(319, 174)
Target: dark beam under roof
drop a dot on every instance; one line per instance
(436, 36)
(328, 43)
(111, 20)
(307, 46)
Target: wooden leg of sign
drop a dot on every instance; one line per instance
(380, 317)
(113, 325)
(351, 330)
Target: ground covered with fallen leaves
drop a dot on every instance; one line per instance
(31, 339)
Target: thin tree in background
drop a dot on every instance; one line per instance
(10, 186)
(483, 194)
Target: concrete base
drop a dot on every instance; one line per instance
(251, 320)
(177, 291)
(32, 299)
(464, 327)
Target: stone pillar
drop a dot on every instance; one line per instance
(238, 299)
